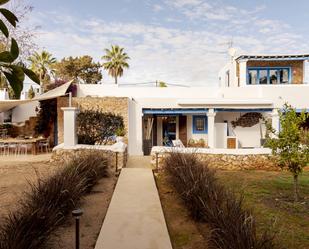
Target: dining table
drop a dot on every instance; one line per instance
(33, 141)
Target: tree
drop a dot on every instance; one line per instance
(41, 64)
(13, 72)
(24, 35)
(81, 69)
(161, 84)
(31, 93)
(116, 61)
(290, 145)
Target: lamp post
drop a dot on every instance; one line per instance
(77, 213)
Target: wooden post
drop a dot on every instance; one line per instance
(157, 161)
(116, 162)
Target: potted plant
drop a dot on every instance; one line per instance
(120, 133)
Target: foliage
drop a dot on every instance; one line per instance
(24, 35)
(31, 93)
(162, 84)
(208, 201)
(197, 143)
(47, 115)
(50, 201)
(116, 61)
(13, 72)
(95, 126)
(120, 132)
(41, 64)
(81, 69)
(290, 145)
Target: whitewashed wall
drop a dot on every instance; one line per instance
(23, 112)
(190, 133)
(247, 96)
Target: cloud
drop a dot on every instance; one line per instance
(186, 47)
(157, 7)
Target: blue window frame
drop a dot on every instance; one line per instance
(200, 125)
(269, 75)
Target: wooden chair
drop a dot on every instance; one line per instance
(178, 143)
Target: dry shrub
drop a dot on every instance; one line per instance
(49, 201)
(233, 226)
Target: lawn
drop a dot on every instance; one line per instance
(270, 196)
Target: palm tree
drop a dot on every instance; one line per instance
(116, 61)
(41, 64)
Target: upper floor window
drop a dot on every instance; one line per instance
(227, 78)
(271, 75)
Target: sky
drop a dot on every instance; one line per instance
(176, 41)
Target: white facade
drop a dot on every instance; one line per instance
(217, 107)
(243, 98)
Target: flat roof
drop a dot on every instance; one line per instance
(273, 57)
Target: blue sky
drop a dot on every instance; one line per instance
(177, 41)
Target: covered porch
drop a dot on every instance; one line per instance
(214, 128)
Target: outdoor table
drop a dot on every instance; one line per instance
(33, 141)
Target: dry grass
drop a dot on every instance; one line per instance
(233, 226)
(49, 201)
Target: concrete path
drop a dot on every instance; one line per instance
(139, 162)
(134, 219)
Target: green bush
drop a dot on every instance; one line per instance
(47, 115)
(95, 126)
(232, 226)
(49, 201)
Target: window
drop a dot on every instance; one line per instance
(263, 75)
(284, 76)
(200, 124)
(270, 75)
(227, 78)
(253, 77)
(273, 76)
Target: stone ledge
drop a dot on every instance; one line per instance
(63, 154)
(241, 161)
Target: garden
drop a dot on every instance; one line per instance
(209, 208)
(36, 206)
(232, 209)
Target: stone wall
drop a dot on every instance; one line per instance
(229, 162)
(296, 68)
(116, 105)
(63, 155)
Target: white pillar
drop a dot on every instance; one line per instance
(275, 120)
(243, 73)
(69, 126)
(211, 128)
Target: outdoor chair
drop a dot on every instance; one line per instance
(3, 148)
(178, 143)
(12, 148)
(45, 145)
(23, 148)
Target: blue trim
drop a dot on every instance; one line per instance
(268, 74)
(194, 130)
(243, 110)
(175, 111)
(298, 110)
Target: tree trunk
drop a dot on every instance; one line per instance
(296, 192)
(116, 80)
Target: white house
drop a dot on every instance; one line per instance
(231, 115)
(227, 116)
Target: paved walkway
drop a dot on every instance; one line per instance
(134, 219)
(139, 162)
